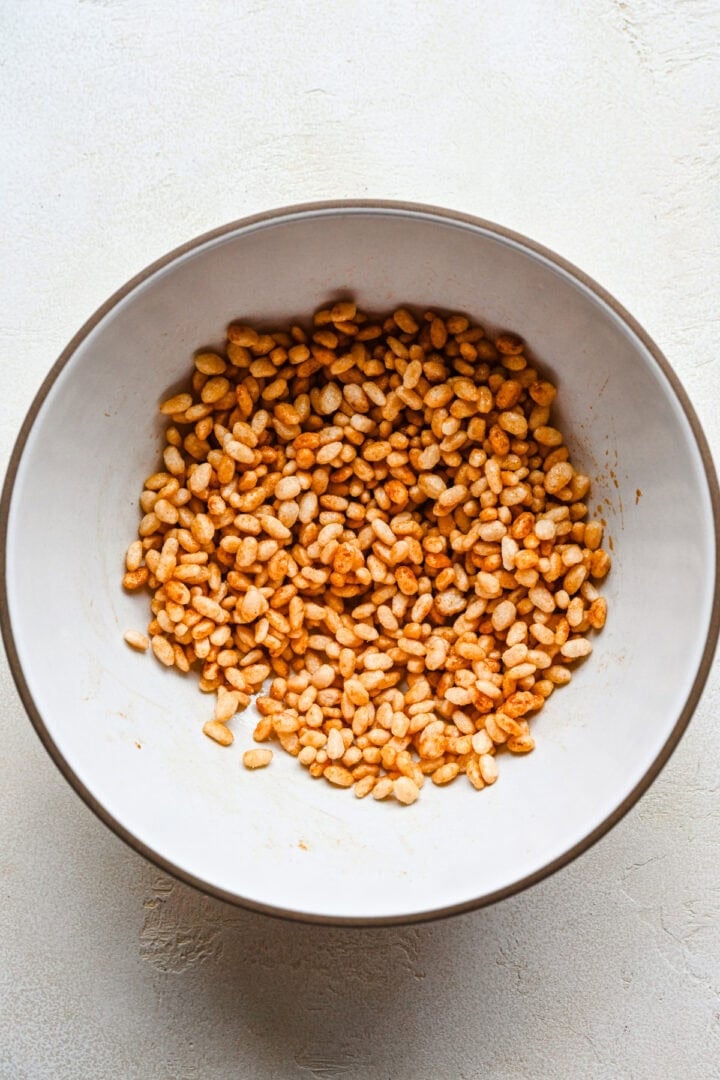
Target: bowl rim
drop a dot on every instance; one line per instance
(407, 209)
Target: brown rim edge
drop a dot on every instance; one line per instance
(375, 921)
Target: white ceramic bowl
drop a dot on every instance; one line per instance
(126, 732)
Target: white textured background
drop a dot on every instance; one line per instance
(592, 126)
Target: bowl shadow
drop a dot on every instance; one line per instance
(326, 1002)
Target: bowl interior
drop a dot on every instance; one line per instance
(129, 730)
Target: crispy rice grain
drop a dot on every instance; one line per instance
(379, 518)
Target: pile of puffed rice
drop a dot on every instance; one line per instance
(377, 517)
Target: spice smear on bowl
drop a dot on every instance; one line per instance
(379, 517)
